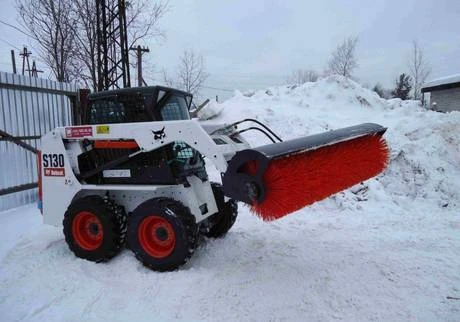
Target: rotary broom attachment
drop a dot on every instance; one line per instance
(280, 178)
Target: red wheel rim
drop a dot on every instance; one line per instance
(87, 230)
(156, 236)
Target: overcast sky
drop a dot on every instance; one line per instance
(255, 43)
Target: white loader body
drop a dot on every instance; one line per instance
(60, 167)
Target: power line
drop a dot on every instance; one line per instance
(245, 81)
(6, 42)
(17, 48)
(219, 89)
(247, 75)
(14, 27)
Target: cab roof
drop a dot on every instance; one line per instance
(139, 90)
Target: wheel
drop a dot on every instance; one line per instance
(162, 233)
(95, 228)
(223, 220)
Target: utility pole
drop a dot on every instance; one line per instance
(13, 61)
(25, 58)
(34, 70)
(139, 51)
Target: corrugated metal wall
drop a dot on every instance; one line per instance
(28, 107)
(447, 100)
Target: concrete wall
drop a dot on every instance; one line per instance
(446, 100)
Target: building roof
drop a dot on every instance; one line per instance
(452, 81)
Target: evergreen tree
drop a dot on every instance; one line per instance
(403, 87)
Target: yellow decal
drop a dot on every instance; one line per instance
(103, 129)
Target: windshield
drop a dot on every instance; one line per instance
(173, 107)
(123, 108)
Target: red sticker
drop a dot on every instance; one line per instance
(54, 172)
(78, 132)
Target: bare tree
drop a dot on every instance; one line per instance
(86, 38)
(419, 69)
(50, 23)
(343, 60)
(191, 73)
(167, 79)
(142, 20)
(301, 76)
(79, 16)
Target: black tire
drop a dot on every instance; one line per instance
(221, 222)
(110, 221)
(162, 233)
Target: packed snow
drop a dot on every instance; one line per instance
(387, 249)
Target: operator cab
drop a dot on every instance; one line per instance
(141, 104)
(168, 165)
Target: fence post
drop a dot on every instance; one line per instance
(81, 106)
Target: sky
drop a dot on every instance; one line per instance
(255, 44)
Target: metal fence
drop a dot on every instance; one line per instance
(29, 107)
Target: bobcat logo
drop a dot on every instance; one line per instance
(158, 135)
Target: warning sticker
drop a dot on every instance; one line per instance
(54, 172)
(78, 132)
(103, 129)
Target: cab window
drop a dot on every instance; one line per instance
(174, 108)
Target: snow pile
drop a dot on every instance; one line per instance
(387, 250)
(425, 145)
(210, 111)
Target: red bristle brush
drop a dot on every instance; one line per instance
(295, 181)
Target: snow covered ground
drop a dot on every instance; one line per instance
(386, 250)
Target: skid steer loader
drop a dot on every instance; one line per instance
(135, 173)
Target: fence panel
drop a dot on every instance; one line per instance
(29, 107)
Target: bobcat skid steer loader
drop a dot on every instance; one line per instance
(135, 173)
